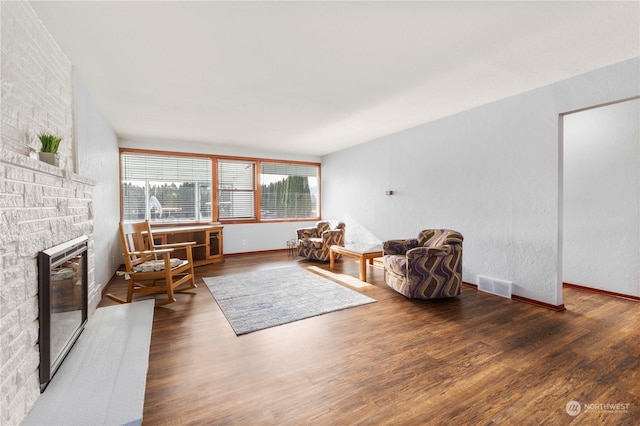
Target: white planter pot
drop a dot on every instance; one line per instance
(50, 158)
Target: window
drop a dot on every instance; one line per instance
(288, 191)
(236, 189)
(165, 188)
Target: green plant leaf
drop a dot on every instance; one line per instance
(49, 142)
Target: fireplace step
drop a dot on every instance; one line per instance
(103, 378)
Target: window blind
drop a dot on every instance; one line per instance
(165, 188)
(236, 189)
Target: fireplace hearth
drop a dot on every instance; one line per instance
(62, 298)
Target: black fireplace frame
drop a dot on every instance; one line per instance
(47, 260)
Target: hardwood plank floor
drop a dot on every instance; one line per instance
(477, 359)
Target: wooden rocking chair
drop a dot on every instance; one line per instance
(150, 267)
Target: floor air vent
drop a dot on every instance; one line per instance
(495, 286)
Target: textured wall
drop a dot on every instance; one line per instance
(491, 173)
(602, 198)
(98, 159)
(40, 205)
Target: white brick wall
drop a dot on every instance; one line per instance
(40, 205)
(37, 91)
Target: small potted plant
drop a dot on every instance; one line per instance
(49, 151)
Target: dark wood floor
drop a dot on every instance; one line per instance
(476, 360)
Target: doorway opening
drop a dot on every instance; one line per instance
(599, 198)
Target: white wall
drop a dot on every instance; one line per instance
(491, 173)
(602, 198)
(250, 237)
(97, 157)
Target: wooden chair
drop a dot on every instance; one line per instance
(150, 268)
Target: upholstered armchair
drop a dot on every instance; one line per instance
(426, 267)
(314, 242)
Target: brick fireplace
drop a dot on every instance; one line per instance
(47, 206)
(40, 205)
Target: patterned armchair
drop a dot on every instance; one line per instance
(426, 267)
(314, 242)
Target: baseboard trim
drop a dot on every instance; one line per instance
(284, 250)
(600, 291)
(556, 308)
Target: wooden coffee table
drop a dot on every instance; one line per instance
(363, 252)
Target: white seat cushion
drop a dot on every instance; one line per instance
(157, 265)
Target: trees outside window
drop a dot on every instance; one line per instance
(288, 191)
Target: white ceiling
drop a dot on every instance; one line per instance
(315, 77)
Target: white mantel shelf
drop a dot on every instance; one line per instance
(26, 162)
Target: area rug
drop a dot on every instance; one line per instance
(257, 300)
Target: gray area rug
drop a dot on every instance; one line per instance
(257, 300)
